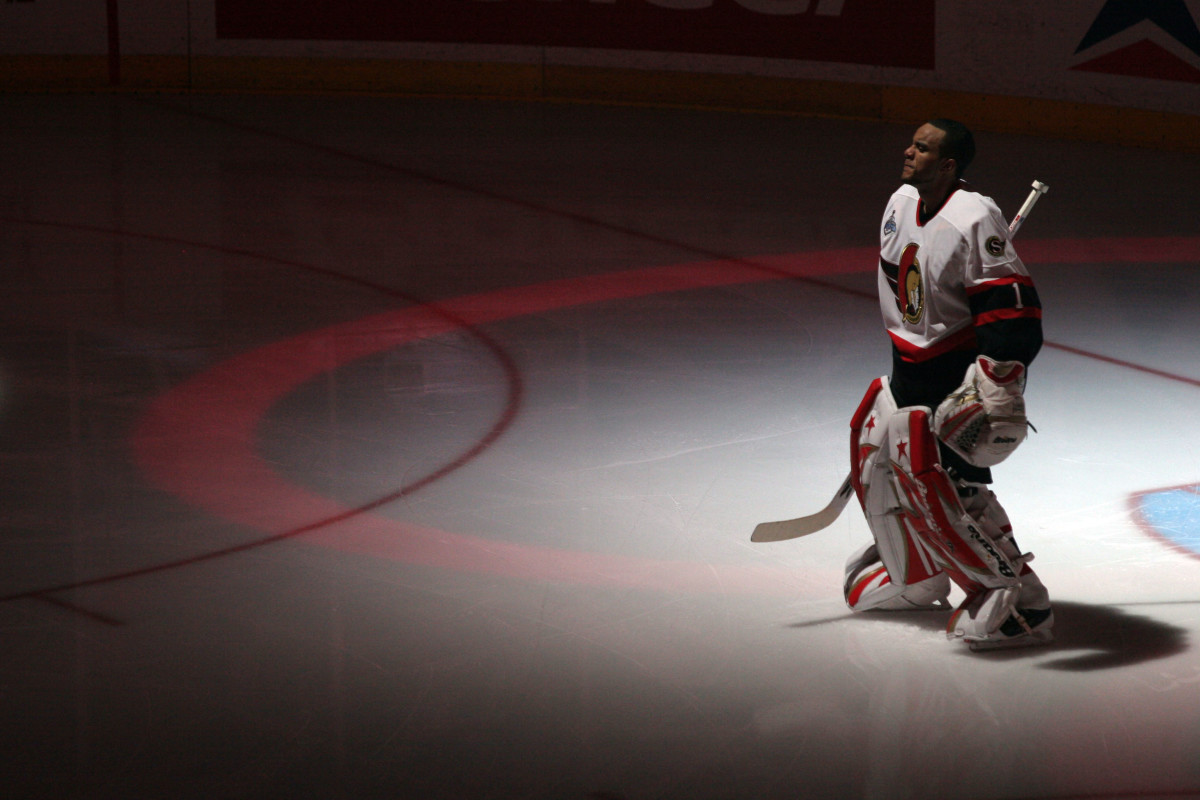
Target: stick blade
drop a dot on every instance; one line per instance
(786, 529)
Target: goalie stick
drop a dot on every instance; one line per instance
(802, 526)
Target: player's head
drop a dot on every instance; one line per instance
(958, 143)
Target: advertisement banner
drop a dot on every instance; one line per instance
(873, 32)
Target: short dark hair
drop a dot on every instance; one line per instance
(958, 143)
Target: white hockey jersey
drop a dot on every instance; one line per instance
(944, 277)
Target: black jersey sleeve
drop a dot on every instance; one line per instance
(1008, 318)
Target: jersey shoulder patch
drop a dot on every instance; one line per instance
(995, 246)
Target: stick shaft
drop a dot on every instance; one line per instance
(1039, 189)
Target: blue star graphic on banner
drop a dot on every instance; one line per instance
(1119, 15)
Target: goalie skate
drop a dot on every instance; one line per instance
(974, 622)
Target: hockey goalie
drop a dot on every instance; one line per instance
(964, 321)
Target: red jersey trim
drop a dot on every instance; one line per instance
(914, 353)
(1002, 314)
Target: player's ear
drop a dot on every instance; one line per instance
(948, 165)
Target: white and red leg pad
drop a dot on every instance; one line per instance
(897, 571)
(1006, 604)
(869, 587)
(923, 533)
(930, 507)
(981, 621)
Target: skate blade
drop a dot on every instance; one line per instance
(1035, 639)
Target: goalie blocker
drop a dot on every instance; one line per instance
(929, 530)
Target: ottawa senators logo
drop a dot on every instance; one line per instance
(910, 286)
(995, 246)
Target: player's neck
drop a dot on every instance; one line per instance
(934, 195)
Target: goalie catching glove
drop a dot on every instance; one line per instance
(983, 420)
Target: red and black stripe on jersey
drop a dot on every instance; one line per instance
(1007, 316)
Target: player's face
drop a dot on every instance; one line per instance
(921, 160)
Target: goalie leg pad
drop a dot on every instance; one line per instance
(899, 572)
(1002, 619)
(869, 587)
(932, 510)
(928, 529)
(981, 504)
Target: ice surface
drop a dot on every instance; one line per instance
(367, 447)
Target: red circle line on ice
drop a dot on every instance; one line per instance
(198, 442)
